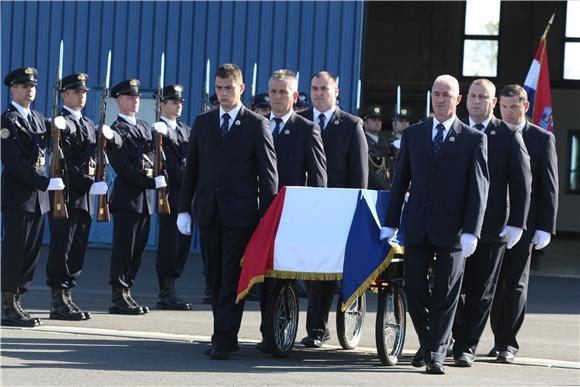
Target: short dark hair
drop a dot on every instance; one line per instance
(514, 91)
(322, 74)
(230, 70)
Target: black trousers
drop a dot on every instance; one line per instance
(173, 248)
(68, 246)
(433, 311)
(20, 248)
(511, 297)
(130, 233)
(320, 295)
(223, 249)
(477, 292)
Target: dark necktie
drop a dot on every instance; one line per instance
(31, 121)
(225, 125)
(83, 132)
(438, 140)
(479, 127)
(321, 120)
(276, 131)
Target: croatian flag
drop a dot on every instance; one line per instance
(320, 234)
(537, 84)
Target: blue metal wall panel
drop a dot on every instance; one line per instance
(303, 36)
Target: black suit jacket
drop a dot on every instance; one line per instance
(300, 154)
(79, 144)
(175, 147)
(346, 150)
(510, 180)
(541, 146)
(448, 193)
(133, 190)
(234, 178)
(24, 183)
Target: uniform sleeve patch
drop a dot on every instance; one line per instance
(4, 133)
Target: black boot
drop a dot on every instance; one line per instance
(73, 306)
(12, 313)
(60, 309)
(121, 305)
(132, 301)
(167, 298)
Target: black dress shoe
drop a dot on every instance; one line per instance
(311, 342)
(435, 368)
(418, 360)
(505, 357)
(263, 347)
(493, 353)
(219, 354)
(169, 301)
(463, 360)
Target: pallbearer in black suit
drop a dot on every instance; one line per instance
(443, 166)
(69, 236)
(172, 246)
(347, 166)
(25, 187)
(299, 149)
(505, 218)
(509, 304)
(131, 201)
(229, 180)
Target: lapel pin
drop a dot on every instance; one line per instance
(451, 139)
(492, 132)
(286, 132)
(237, 122)
(336, 122)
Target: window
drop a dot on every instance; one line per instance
(572, 41)
(574, 166)
(481, 38)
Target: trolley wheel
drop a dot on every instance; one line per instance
(282, 317)
(350, 322)
(391, 324)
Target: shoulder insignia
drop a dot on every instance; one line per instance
(4, 133)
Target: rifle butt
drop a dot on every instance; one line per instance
(59, 210)
(162, 202)
(103, 214)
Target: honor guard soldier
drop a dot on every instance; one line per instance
(173, 247)
(379, 150)
(25, 184)
(302, 103)
(131, 201)
(261, 104)
(69, 236)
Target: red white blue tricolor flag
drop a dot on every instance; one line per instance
(537, 85)
(320, 234)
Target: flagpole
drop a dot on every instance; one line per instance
(545, 34)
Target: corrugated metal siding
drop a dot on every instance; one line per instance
(303, 36)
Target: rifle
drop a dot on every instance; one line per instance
(205, 95)
(59, 210)
(159, 165)
(101, 157)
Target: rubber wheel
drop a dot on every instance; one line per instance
(391, 324)
(282, 317)
(350, 322)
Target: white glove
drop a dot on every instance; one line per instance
(468, 244)
(107, 132)
(541, 239)
(184, 223)
(98, 188)
(387, 233)
(59, 122)
(513, 235)
(397, 143)
(160, 182)
(55, 184)
(160, 127)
